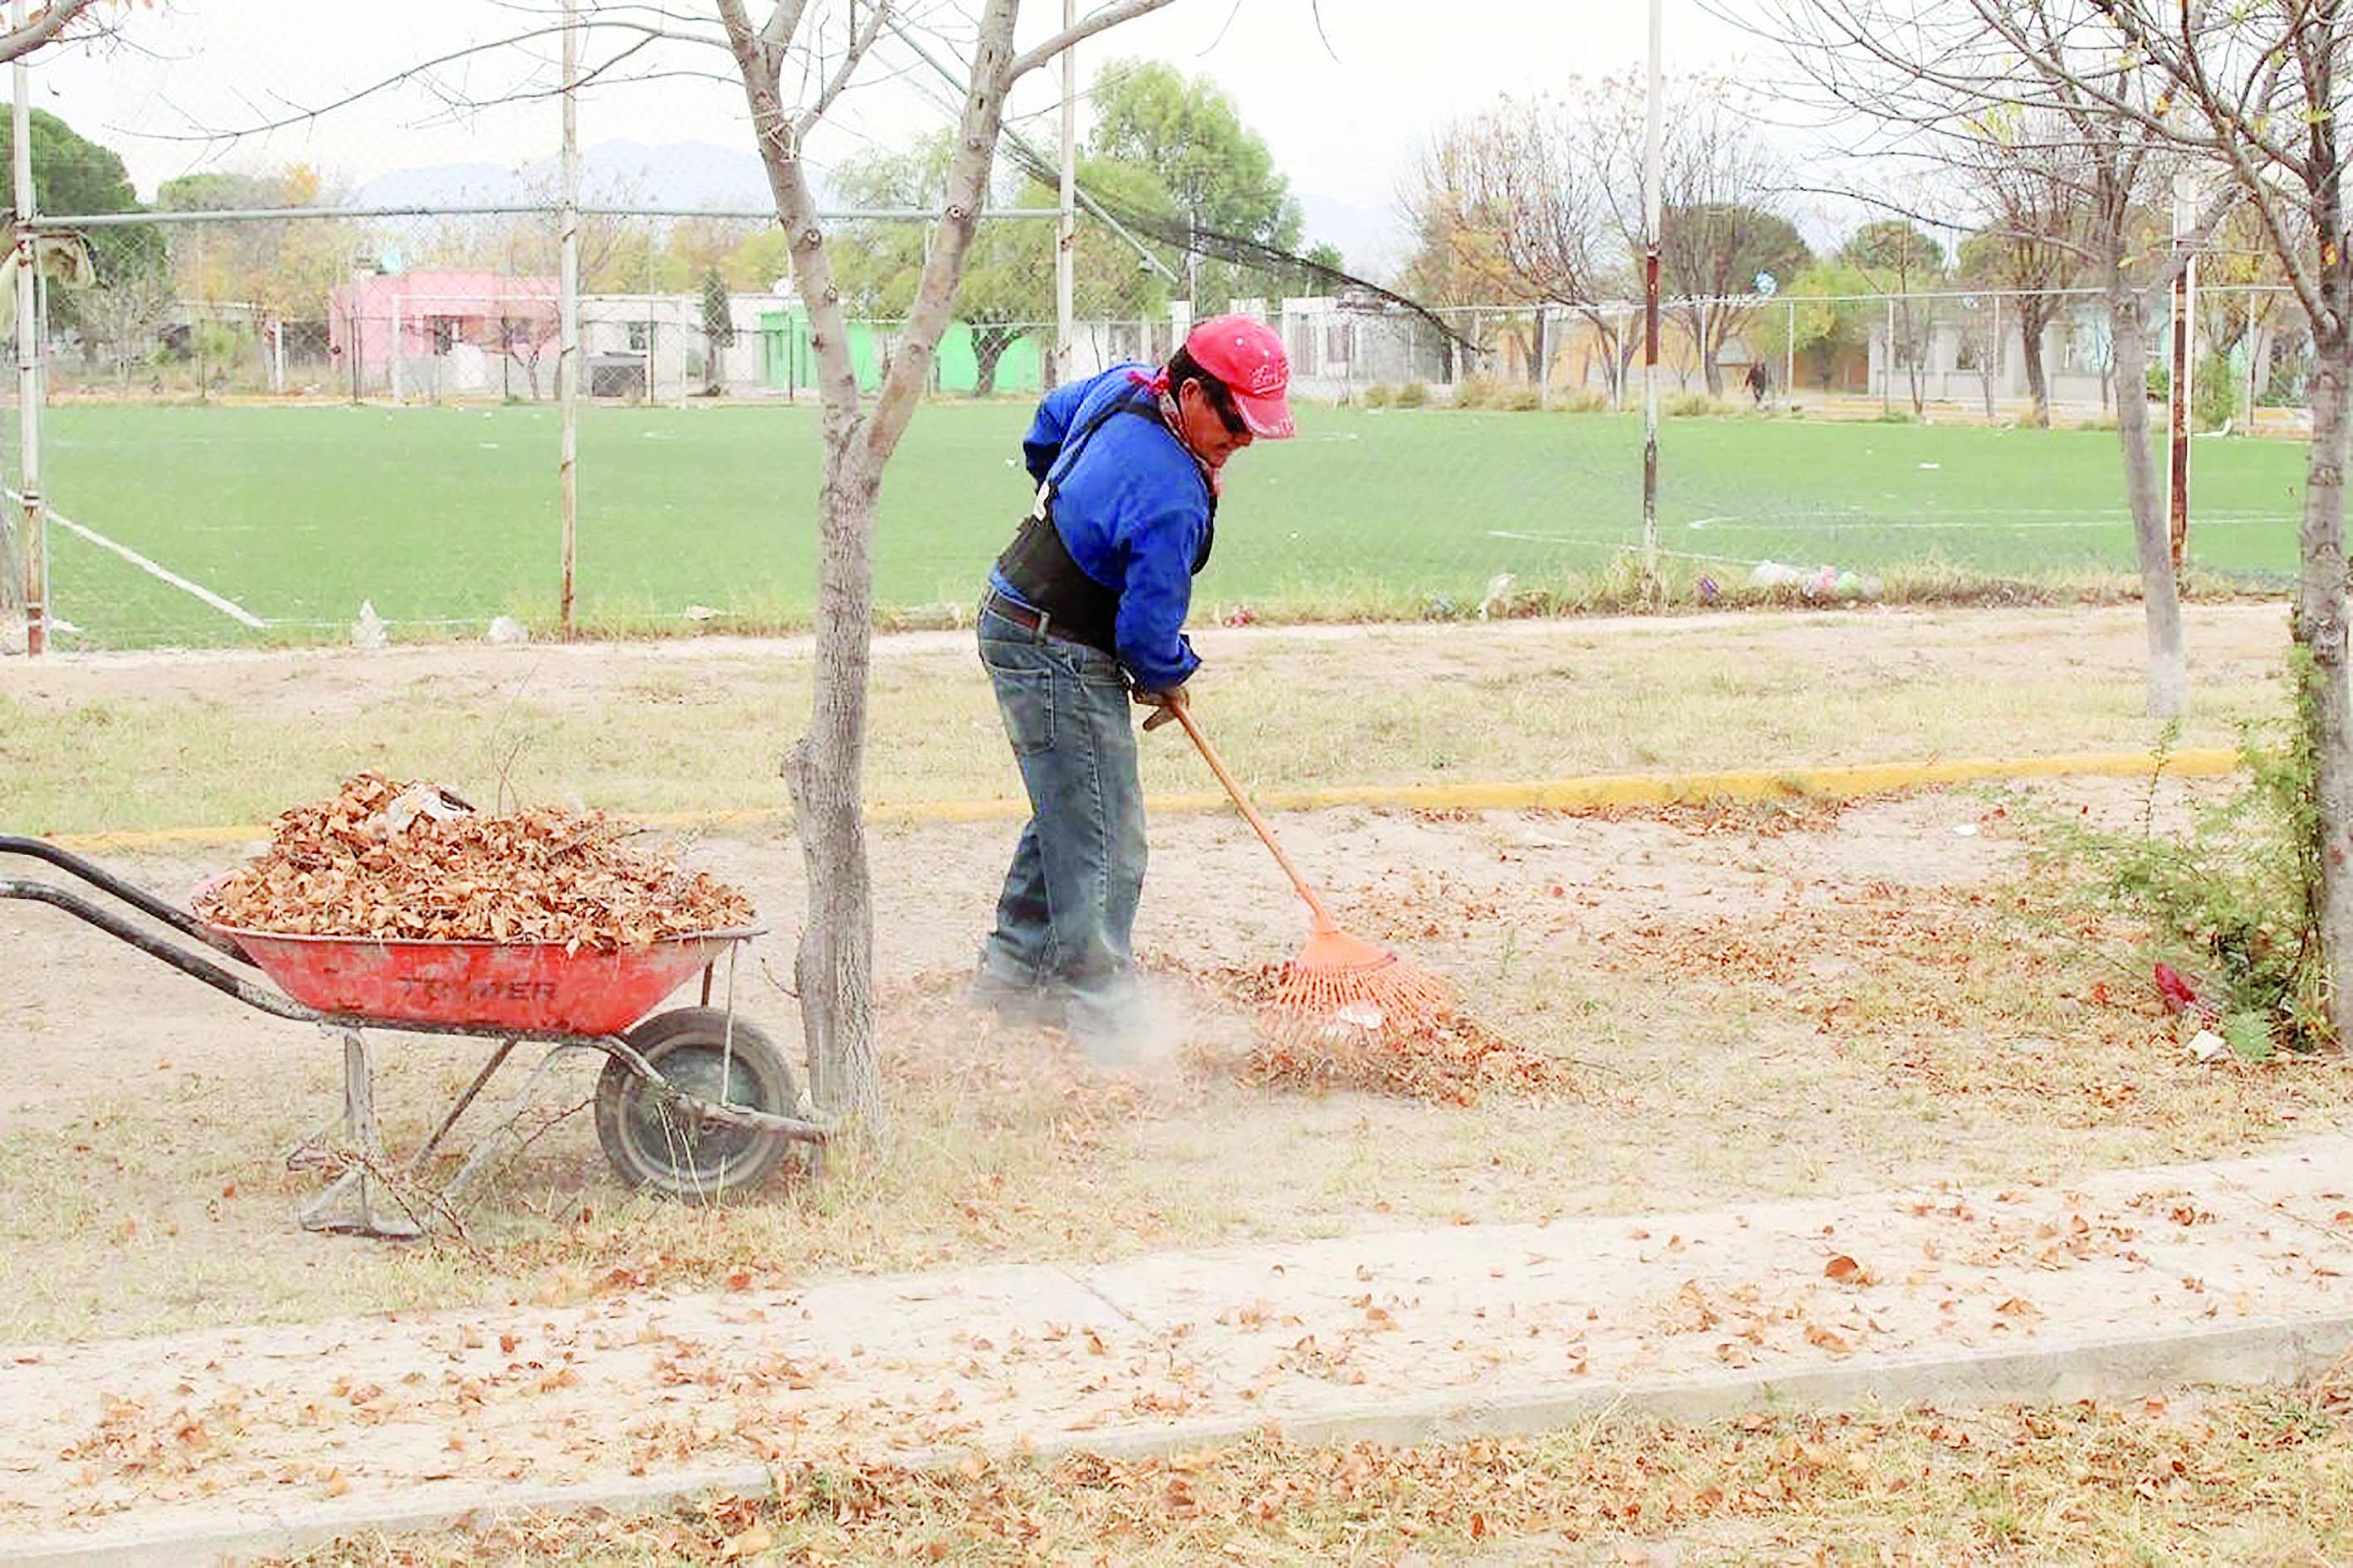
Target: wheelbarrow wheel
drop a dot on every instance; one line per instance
(653, 1143)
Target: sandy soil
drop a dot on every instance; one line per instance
(1753, 1002)
(2231, 644)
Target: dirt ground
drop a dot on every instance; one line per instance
(1756, 1001)
(2229, 644)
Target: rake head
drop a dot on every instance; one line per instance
(1341, 984)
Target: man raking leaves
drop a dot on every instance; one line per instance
(1084, 611)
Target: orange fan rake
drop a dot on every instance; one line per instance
(1339, 984)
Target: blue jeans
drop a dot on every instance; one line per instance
(1067, 915)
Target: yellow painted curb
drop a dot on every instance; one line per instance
(1593, 790)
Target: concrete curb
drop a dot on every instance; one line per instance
(1583, 793)
(2286, 1350)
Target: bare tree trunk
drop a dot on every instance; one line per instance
(2169, 674)
(12, 589)
(2031, 323)
(2259, 370)
(1604, 340)
(14, 616)
(988, 346)
(1915, 356)
(826, 770)
(2319, 629)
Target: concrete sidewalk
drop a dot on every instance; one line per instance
(183, 1448)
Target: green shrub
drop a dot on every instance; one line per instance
(1379, 395)
(1412, 395)
(1520, 401)
(1690, 406)
(1481, 392)
(1583, 400)
(2213, 394)
(2236, 899)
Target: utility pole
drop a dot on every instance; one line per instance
(31, 518)
(567, 354)
(2184, 296)
(1651, 322)
(1066, 229)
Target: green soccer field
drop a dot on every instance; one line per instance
(447, 517)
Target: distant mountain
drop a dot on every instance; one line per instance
(443, 184)
(682, 174)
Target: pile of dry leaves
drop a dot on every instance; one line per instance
(1453, 1060)
(390, 860)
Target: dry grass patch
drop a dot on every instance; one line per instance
(2196, 1477)
(2011, 997)
(1791, 813)
(629, 727)
(991, 1130)
(1714, 1010)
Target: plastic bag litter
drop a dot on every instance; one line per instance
(420, 799)
(1499, 596)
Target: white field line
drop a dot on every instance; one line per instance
(2042, 518)
(233, 611)
(1991, 522)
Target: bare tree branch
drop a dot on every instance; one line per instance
(397, 78)
(45, 25)
(1087, 27)
(877, 17)
(777, 36)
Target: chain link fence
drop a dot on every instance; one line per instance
(189, 466)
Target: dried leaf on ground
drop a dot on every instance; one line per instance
(1451, 1060)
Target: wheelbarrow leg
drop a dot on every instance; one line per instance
(350, 1204)
(502, 1133)
(498, 1060)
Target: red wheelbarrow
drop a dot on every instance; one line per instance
(692, 1102)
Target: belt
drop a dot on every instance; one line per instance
(1037, 621)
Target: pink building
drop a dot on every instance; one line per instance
(429, 314)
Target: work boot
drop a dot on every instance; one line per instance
(1020, 1006)
(1141, 1030)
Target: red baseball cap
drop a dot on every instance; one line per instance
(1248, 357)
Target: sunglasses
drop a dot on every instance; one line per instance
(1221, 403)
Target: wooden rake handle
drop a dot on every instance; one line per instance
(1184, 713)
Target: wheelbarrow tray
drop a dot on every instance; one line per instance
(543, 987)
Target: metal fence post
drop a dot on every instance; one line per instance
(567, 356)
(29, 367)
(1887, 362)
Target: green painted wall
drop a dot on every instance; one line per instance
(789, 363)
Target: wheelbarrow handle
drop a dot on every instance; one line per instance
(202, 969)
(139, 898)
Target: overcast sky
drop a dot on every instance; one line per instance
(1344, 111)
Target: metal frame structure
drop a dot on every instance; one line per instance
(354, 1202)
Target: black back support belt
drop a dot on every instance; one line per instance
(1041, 570)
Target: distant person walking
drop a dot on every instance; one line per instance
(1761, 381)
